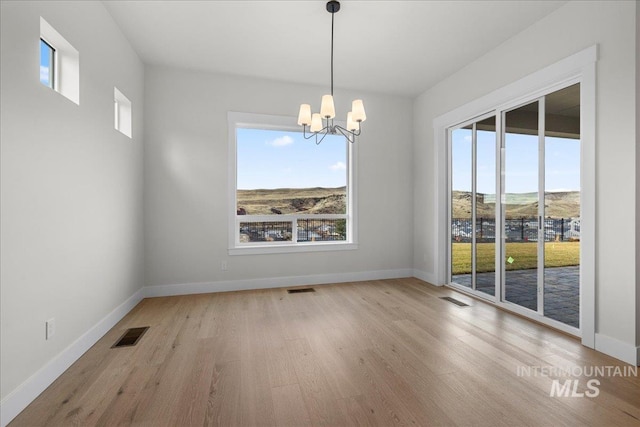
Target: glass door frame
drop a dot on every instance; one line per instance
(500, 242)
(474, 140)
(541, 200)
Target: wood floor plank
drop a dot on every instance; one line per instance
(375, 353)
(335, 371)
(316, 392)
(194, 389)
(223, 405)
(256, 401)
(290, 410)
(358, 412)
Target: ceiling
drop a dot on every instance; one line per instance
(396, 47)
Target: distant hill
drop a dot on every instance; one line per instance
(560, 204)
(284, 201)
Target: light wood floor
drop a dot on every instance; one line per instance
(384, 353)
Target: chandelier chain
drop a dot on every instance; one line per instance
(332, 16)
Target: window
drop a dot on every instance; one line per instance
(59, 63)
(47, 64)
(122, 112)
(288, 194)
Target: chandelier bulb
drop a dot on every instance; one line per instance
(304, 116)
(352, 126)
(316, 122)
(327, 108)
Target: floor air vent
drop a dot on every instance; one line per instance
(300, 290)
(455, 301)
(130, 337)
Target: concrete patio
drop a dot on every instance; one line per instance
(561, 292)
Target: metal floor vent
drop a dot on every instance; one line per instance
(455, 301)
(300, 290)
(130, 337)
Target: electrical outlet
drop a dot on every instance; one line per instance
(224, 266)
(50, 328)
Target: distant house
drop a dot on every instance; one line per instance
(308, 235)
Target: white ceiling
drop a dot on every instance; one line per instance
(399, 47)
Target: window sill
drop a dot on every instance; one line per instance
(293, 248)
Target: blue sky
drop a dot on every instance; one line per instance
(45, 63)
(270, 159)
(562, 167)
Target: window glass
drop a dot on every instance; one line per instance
(46, 63)
(300, 185)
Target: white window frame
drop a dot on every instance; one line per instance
(262, 121)
(579, 67)
(122, 113)
(66, 69)
(52, 66)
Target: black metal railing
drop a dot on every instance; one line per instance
(307, 230)
(516, 229)
(321, 230)
(265, 231)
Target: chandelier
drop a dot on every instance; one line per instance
(321, 124)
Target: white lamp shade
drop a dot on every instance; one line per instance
(357, 109)
(316, 123)
(351, 125)
(304, 116)
(327, 109)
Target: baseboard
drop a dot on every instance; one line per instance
(26, 392)
(275, 282)
(426, 277)
(618, 349)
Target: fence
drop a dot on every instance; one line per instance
(516, 230)
(306, 230)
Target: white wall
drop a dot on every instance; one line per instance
(573, 27)
(71, 186)
(186, 206)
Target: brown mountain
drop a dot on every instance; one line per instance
(558, 204)
(284, 201)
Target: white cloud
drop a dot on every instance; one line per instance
(281, 142)
(338, 166)
(44, 73)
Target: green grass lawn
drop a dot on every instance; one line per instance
(524, 255)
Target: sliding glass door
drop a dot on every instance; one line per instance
(473, 205)
(520, 207)
(530, 158)
(561, 218)
(462, 171)
(485, 207)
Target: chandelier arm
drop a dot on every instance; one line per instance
(304, 133)
(351, 137)
(359, 129)
(350, 131)
(323, 136)
(313, 134)
(329, 125)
